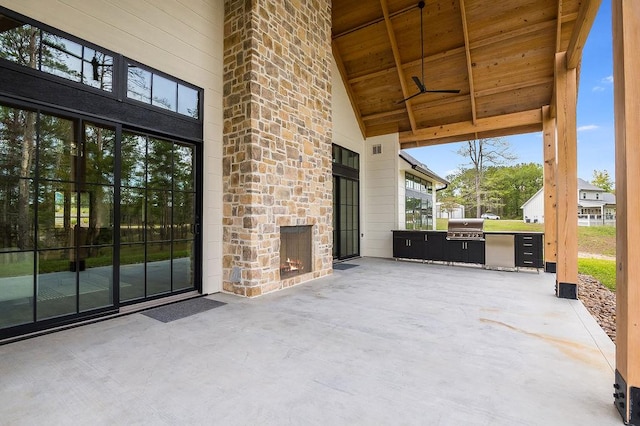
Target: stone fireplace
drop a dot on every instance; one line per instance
(277, 162)
(295, 251)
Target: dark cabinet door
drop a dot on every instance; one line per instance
(434, 246)
(464, 251)
(454, 251)
(408, 245)
(475, 252)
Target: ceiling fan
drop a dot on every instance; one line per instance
(420, 83)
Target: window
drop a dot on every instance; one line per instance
(418, 203)
(164, 92)
(418, 184)
(32, 47)
(63, 56)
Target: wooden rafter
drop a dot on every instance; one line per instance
(500, 56)
(465, 31)
(396, 57)
(586, 16)
(559, 27)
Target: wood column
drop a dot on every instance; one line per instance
(567, 180)
(550, 188)
(626, 63)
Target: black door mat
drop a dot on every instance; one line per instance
(343, 266)
(179, 310)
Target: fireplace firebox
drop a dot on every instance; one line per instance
(295, 251)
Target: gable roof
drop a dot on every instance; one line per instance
(586, 186)
(532, 198)
(419, 167)
(500, 55)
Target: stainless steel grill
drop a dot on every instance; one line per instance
(466, 229)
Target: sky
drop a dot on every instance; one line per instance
(595, 115)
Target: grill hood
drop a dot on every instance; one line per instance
(466, 229)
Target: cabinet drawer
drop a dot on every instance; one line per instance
(529, 252)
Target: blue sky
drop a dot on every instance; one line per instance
(595, 114)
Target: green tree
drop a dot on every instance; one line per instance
(601, 179)
(483, 153)
(508, 187)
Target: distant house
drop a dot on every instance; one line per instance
(533, 208)
(453, 211)
(417, 196)
(595, 206)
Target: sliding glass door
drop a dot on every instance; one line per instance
(157, 217)
(90, 216)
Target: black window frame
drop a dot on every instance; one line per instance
(119, 74)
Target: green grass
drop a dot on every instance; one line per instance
(600, 269)
(499, 225)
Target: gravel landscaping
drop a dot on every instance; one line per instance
(600, 302)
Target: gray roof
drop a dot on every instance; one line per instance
(609, 198)
(418, 166)
(583, 184)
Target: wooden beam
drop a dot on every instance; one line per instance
(559, 27)
(465, 32)
(347, 86)
(476, 135)
(626, 62)
(567, 180)
(467, 127)
(586, 16)
(396, 58)
(550, 203)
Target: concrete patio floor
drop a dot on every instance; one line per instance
(385, 342)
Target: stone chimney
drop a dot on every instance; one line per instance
(277, 139)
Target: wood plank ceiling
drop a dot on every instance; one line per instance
(499, 54)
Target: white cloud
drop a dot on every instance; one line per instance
(587, 127)
(608, 79)
(597, 89)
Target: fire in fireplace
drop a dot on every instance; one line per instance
(295, 251)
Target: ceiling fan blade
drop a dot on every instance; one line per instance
(442, 91)
(410, 97)
(418, 83)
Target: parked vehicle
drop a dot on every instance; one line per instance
(490, 216)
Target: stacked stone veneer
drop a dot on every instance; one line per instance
(277, 138)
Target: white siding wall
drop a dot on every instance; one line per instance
(346, 131)
(534, 209)
(181, 38)
(381, 196)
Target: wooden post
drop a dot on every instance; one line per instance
(567, 179)
(550, 207)
(626, 62)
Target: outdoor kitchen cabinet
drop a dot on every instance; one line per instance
(434, 246)
(529, 249)
(408, 245)
(465, 251)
